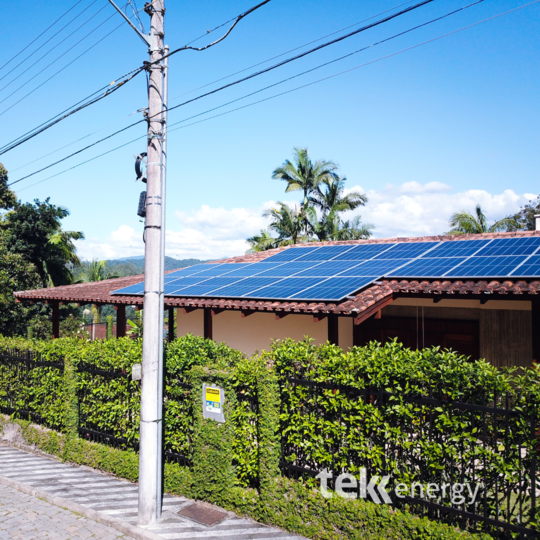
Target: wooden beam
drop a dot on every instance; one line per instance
(372, 310)
(333, 329)
(171, 334)
(485, 300)
(188, 309)
(216, 311)
(282, 315)
(55, 320)
(378, 315)
(208, 323)
(319, 317)
(121, 321)
(535, 314)
(437, 299)
(247, 312)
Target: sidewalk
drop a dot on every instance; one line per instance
(113, 502)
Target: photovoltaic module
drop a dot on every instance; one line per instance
(331, 273)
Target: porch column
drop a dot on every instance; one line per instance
(56, 320)
(535, 305)
(333, 329)
(171, 334)
(121, 320)
(208, 323)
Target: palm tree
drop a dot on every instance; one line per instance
(95, 271)
(287, 222)
(60, 256)
(465, 223)
(303, 174)
(262, 241)
(352, 230)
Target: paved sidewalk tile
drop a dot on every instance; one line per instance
(29, 518)
(115, 498)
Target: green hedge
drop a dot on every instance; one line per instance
(267, 413)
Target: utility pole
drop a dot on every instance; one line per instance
(151, 426)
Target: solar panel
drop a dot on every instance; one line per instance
(334, 288)
(326, 253)
(485, 267)
(288, 269)
(457, 248)
(421, 268)
(530, 268)
(138, 288)
(374, 268)
(222, 269)
(205, 287)
(326, 269)
(193, 270)
(245, 286)
(409, 250)
(290, 254)
(285, 288)
(254, 269)
(511, 246)
(363, 252)
(331, 273)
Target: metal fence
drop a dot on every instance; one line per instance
(32, 388)
(487, 440)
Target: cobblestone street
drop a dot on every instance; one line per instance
(26, 517)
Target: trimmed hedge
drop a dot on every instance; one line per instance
(241, 458)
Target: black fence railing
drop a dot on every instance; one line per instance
(472, 463)
(26, 381)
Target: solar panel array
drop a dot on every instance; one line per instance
(331, 273)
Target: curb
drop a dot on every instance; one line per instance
(122, 526)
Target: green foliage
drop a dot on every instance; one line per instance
(464, 222)
(236, 464)
(109, 327)
(525, 219)
(319, 215)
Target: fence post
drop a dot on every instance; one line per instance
(109, 334)
(269, 402)
(71, 420)
(213, 473)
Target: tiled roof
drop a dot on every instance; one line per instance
(100, 292)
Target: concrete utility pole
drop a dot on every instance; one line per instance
(151, 426)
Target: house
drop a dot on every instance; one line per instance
(493, 318)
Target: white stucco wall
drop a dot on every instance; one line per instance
(255, 332)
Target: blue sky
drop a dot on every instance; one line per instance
(425, 133)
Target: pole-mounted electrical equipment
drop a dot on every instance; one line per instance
(140, 171)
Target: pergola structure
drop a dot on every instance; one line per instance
(366, 305)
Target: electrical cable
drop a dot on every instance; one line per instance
(287, 52)
(109, 89)
(66, 66)
(335, 60)
(305, 53)
(42, 33)
(213, 82)
(289, 91)
(59, 57)
(341, 38)
(53, 48)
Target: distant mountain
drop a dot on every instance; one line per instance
(132, 266)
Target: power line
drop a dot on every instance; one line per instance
(66, 66)
(334, 60)
(290, 50)
(289, 78)
(290, 91)
(42, 33)
(109, 89)
(305, 53)
(213, 82)
(249, 76)
(53, 48)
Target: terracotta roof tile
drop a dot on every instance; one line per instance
(100, 292)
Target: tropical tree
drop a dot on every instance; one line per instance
(464, 222)
(525, 218)
(262, 241)
(95, 271)
(287, 222)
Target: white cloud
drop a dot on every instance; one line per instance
(413, 209)
(409, 209)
